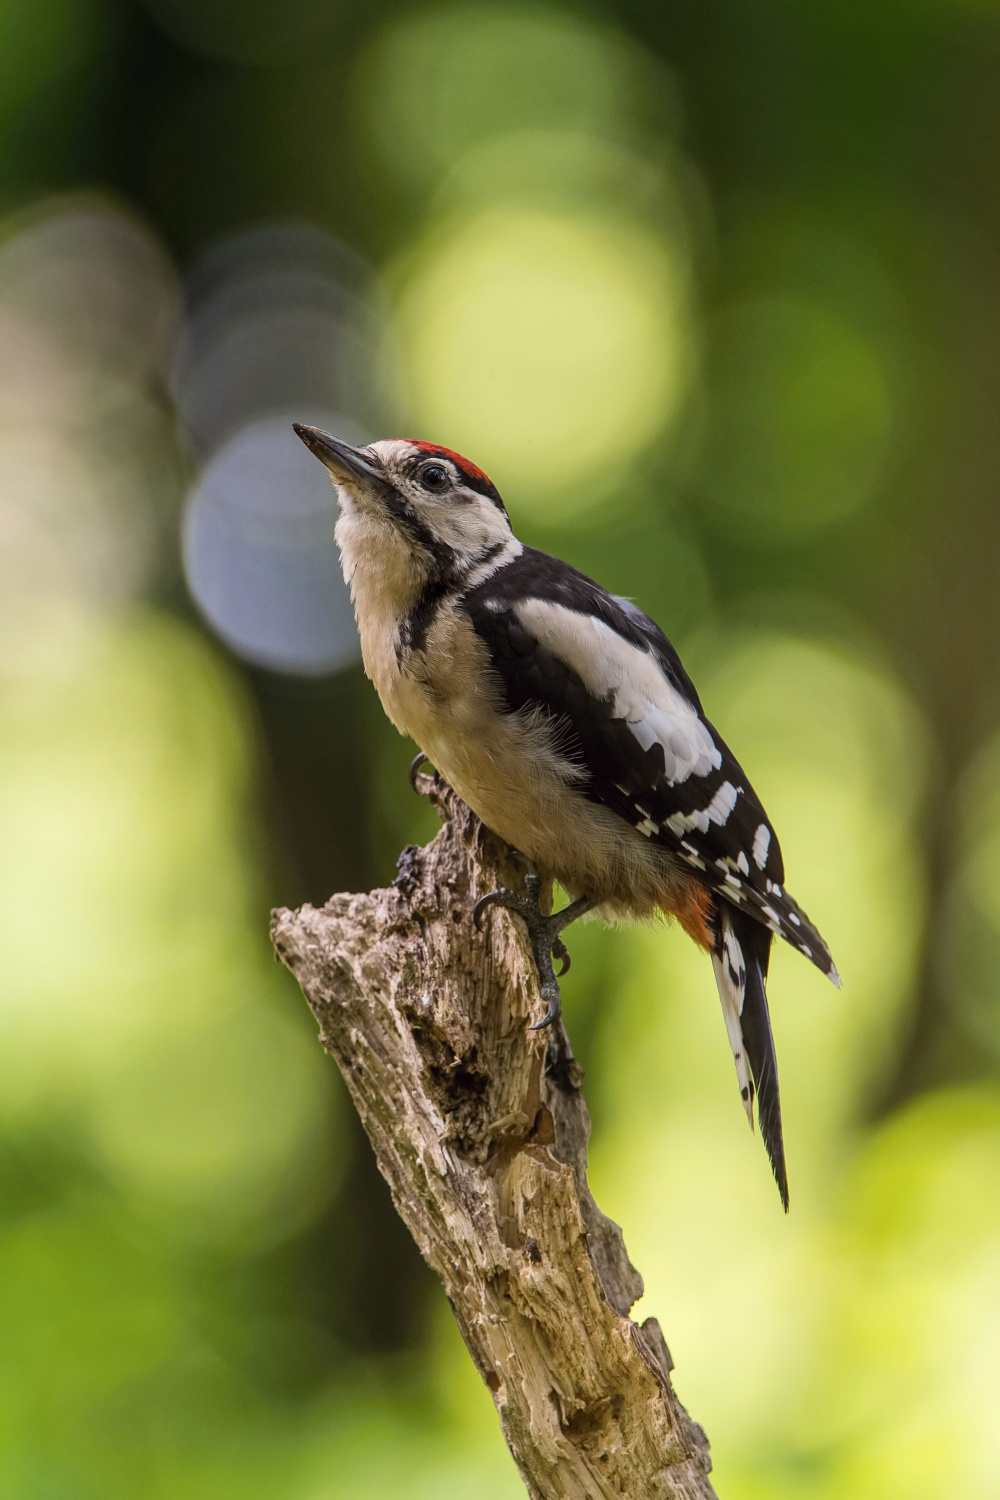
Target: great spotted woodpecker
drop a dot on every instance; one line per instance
(564, 718)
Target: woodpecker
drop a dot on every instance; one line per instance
(562, 715)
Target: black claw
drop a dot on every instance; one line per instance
(552, 1014)
(415, 764)
(559, 951)
(493, 899)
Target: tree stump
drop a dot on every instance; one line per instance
(480, 1128)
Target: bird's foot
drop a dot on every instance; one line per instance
(543, 932)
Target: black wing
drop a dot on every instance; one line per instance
(560, 642)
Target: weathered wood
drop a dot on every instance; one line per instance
(481, 1131)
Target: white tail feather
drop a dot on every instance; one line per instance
(731, 978)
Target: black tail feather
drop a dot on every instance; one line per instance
(755, 941)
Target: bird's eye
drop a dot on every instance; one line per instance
(433, 477)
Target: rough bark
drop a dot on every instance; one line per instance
(481, 1131)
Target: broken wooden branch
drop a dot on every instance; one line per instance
(481, 1130)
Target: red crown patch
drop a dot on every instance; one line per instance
(470, 470)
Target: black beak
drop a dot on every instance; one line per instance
(343, 461)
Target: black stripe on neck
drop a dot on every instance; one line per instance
(441, 583)
(405, 516)
(413, 629)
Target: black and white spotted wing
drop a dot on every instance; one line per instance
(632, 718)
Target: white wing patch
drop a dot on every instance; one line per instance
(717, 811)
(761, 844)
(611, 667)
(731, 978)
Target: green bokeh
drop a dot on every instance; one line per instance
(437, 85)
(799, 418)
(790, 461)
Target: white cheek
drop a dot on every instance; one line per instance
(465, 527)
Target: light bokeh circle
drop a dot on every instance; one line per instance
(497, 69)
(548, 347)
(260, 555)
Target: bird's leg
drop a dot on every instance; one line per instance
(544, 933)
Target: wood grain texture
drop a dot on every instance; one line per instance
(481, 1131)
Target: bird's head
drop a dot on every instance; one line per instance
(442, 509)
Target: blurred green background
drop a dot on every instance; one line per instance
(712, 290)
